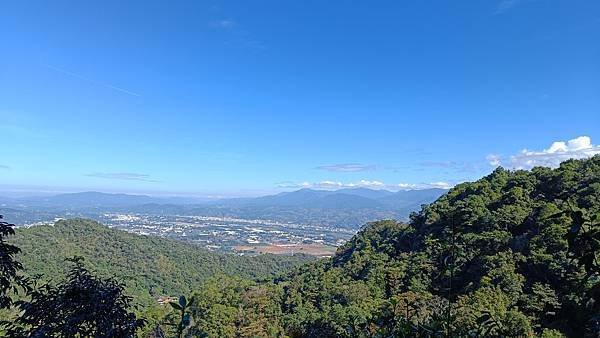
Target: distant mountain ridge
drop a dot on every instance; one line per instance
(342, 198)
(349, 207)
(341, 208)
(89, 199)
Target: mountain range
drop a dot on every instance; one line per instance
(343, 207)
(349, 198)
(306, 198)
(90, 199)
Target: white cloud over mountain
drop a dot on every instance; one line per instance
(348, 167)
(559, 151)
(123, 176)
(331, 185)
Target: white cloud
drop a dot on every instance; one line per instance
(493, 159)
(92, 81)
(124, 176)
(440, 185)
(459, 167)
(225, 24)
(367, 184)
(328, 184)
(506, 5)
(348, 167)
(334, 185)
(421, 186)
(577, 148)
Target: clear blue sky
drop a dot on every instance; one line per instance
(252, 97)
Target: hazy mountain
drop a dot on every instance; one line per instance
(295, 198)
(365, 192)
(305, 198)
(409, 198)
(308, 198)
(94, 199)
(6, 201)
(89, 199)
(343, 201)
(343, 198)
(344, 207)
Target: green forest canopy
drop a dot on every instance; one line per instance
(149, 266)
(513, 254)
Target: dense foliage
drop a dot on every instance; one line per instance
(514, 254)
(82, 306)
(148, 266)
(9, 266)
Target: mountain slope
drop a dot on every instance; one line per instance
(411, 199)
(342, 208)
(344, 201)
(306, 198)
(94, 199)
(344, 198)
(514, 254)
(365, 192)
(149, 266)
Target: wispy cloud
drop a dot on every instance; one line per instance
(123, 176)
(440, 164)
(455, 166)
(559, 151)
(332, 185)
(87, 79)
(234, 34)
(3, 166)
(348, 167)
(224, 24)
(421, 186)
(506, 5)
(494, 160)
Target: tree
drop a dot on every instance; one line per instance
(9, 266)
(185, 318)
(82, 306)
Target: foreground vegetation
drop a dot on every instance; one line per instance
(148, 266)
(515, 254)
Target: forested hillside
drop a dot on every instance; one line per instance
(513, 254)
(149, 266)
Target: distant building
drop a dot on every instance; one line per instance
(163, 300)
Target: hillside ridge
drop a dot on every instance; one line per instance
(149, 266)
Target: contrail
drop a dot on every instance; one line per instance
(75, 75)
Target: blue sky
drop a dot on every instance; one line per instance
(254, 97)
